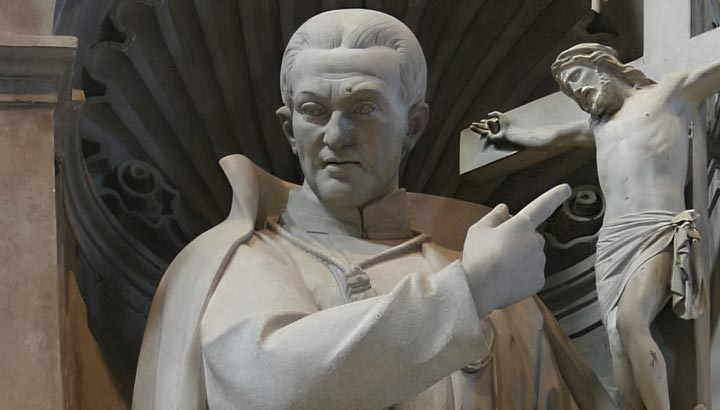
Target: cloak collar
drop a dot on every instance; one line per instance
(386, 218)
(258, 195)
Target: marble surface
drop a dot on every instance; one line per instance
(29, 295)
(34, 69)
(27, 16)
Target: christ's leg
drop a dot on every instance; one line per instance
(624, 379)
(643, 298)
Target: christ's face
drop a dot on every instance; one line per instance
(598, 93)
(348, 123)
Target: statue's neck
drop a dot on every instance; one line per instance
(386, 218)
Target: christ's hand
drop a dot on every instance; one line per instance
(493, 128)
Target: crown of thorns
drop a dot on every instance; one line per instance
(597, 55)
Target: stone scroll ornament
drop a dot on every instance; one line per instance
(647, 249)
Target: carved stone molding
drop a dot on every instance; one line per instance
(35, 69)
(35, 72)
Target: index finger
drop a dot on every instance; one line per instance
(543, 206)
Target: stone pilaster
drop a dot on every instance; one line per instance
(35, 72)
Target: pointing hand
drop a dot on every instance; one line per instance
(503, 255)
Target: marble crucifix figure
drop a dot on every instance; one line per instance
(347, 292)
(646, 245)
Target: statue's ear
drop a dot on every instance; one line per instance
(417, 120)
(284, 115)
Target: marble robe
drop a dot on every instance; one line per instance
(367, 310)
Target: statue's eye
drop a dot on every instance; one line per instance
(313, 109)
(365, 108)
(574, 76)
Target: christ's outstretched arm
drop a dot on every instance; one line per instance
(703, 82)
(499, 127)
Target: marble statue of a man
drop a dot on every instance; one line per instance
(348, 292)
(645, 247)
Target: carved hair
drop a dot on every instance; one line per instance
(357, 28)
(596, 55)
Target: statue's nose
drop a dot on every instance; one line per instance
(338, 131)
(579, 92)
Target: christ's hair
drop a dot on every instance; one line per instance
(596, 55)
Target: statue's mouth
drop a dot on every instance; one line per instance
(341, 169)
(340, 163)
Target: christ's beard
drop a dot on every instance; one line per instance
(607, 101)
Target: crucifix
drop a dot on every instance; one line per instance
(668, 47)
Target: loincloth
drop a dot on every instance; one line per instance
(625, 243)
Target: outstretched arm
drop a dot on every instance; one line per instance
(702, 82)
(499, 127)
(276, 349)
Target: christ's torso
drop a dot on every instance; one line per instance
(642, 153)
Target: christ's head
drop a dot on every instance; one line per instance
(592, 75)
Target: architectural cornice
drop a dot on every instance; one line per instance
(36, 69)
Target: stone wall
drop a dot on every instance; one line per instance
(26, 16)
(34, 72)
(29, 295)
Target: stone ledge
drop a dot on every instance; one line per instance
(36, 69)
(27, 40)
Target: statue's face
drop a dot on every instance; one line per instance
(596, 92)
(349, 125)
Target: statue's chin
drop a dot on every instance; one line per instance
(338, 195)
(353, 192)
(604, 107)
